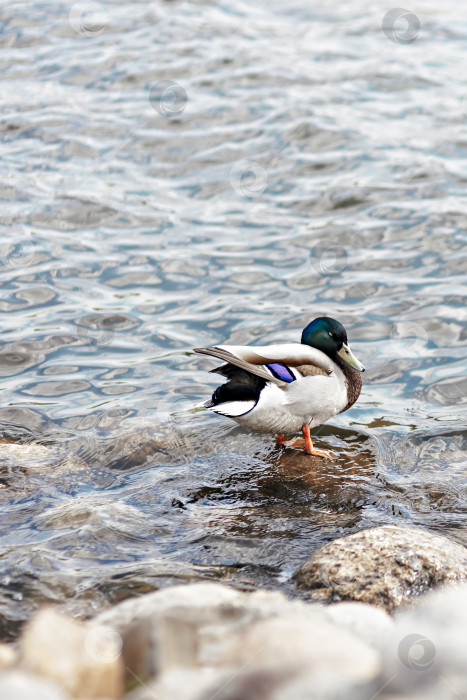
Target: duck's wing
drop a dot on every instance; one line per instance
(222, 353)
(308, 361)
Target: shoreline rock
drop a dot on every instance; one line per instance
(386, 566)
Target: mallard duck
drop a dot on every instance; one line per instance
(291, 387)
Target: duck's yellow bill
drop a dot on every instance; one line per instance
(346, 353)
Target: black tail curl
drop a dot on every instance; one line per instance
(241, 385)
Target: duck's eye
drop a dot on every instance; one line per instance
(329, 333)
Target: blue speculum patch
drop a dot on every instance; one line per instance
(281, 372)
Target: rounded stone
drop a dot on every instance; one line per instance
(385, 566)
(16, 685)
(300, 642)
(368, 622)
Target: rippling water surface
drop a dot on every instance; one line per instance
(186, 173)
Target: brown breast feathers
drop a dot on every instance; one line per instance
(353, 381)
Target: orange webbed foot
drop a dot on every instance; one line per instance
(311, 450)
(305, 443)
(295, 442)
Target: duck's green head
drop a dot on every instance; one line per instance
(329, 336)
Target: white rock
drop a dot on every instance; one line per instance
(195, 596)
(8, 655)
(368, 622)
(179, 684)
(208, 633)
(427, 650)
(204, 616)
(84, 660)
(304, 642)
(15, 685)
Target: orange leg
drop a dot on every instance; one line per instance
(309, 449)
(306, 443)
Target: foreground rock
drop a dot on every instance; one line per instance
(205, 641)
(425, 653)
(15, 685)
(83, 660)
(204, 616)
(190, 641)
(8, 656)
(384, 566)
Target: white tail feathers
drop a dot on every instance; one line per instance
(232, 408)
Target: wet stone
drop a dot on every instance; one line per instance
(386, 566)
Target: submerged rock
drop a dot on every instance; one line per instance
(33, 458)
(385, 566)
